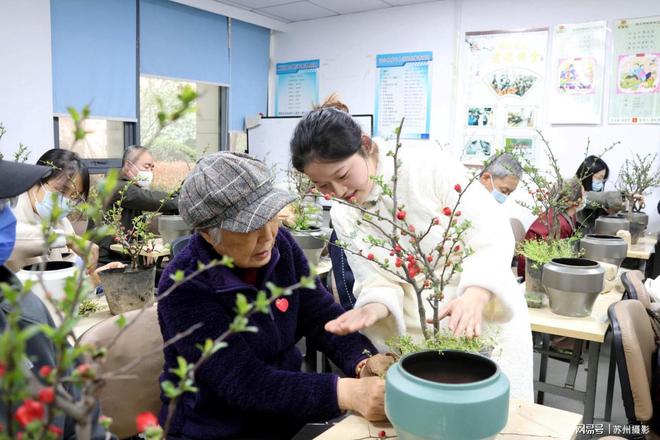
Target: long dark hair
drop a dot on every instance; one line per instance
(327, 134)
(590, 166)
(65, 164)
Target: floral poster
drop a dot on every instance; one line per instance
(578, 61)
(635, 82)
(504, 77)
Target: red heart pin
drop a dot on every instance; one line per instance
(282, 304)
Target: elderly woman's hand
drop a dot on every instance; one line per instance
(377, 365)
(365, 396)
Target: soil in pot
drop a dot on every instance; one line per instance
(449, 371)
(127, 290)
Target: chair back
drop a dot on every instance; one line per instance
(179, 243)
(518, 230)
(634, 350)
(633, 282)
(139, 390)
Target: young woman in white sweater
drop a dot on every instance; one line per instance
(329, 147)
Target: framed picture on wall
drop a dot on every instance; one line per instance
(521, 116)
(523, 144)
(478, 148)
(480, 116)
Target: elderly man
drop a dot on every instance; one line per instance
(501, 176)
(136, 177)
(254, 387)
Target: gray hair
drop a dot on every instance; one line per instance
(132, 153)
(503, 165)
(215, 233)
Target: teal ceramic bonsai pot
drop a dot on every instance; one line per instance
(451, 395)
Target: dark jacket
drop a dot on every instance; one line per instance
(254, 386)
(40, 350)
(136, 202)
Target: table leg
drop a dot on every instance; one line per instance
(544, 365)
(592, 375)
(610, 385)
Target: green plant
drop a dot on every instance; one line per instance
(543, 251)
(305, 211)
(87, 307)
(636, 177)
(440, 341)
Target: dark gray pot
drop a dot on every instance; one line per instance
(638, 223)
(128, 290)
(572, 285)
(311, 242)
(172, 227)
(606, 248)
(611, 224)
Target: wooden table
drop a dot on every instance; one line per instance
(526, 420)
(593, 329)
(643, 249)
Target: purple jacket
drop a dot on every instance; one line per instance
(254, 386)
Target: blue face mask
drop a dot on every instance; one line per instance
(501, 198)
(7, 233)
(597, 185)
(46, 206)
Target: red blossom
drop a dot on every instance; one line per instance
(410, 257)
(401, 214)
(436, 221)
(457, 248)
(45, 371)
(370, 257)
(457, 214)
(3, 369)
(327, 196)
(457, 188)
(55, 430)
(382, 434)
(446, 211)
(353, 199)
(430, 258)
(30, 411)
(144, 420)
(47, 395)
(391, 253)
(84, 370)
(397, 248)
(411, 228)
(398, 262)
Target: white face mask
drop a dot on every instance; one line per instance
(144, 178)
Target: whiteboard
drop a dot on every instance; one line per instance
(269, 141)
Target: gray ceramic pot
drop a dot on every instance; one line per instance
(606, 248)
(172, 227)
(638, 223)
(311, 242)
(572, 285)
(611, 224)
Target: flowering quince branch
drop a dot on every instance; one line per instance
(636, 176)
(411, 261)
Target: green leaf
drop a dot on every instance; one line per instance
(178, 276)
(169, 389)
(121, 321)
(242, 305)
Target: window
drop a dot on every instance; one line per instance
(105, 138)
(178, 146)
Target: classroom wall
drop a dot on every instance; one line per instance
(347, 47)
(26, 94)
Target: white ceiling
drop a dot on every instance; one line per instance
(289, 11)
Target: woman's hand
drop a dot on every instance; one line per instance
(365, 396)
(94, 275)
(377, 365)
(357, 319)
(465, 311)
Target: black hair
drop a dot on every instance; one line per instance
(67, 164)
(590, 166)
(327, 135)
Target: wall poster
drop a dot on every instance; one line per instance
(635, 86)
(578, 61)
(403, 90)
(297, 87)
(504, 77)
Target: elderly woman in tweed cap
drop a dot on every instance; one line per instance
(254, 388)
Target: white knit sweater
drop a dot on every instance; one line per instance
(425, 185)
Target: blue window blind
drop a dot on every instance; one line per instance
(250, 59)
(177, 41)
(94, 56)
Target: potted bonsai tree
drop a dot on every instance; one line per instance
(303, 218)
(636, 177)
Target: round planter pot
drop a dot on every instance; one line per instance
(449, 395)
(311, 242)
(54, 277)
(128, 290)
(611, 224)
(605, 248)
(534, 291)
(638, 223)
(172, 227)
(572, 285)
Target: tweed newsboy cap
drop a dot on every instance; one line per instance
(233, 191)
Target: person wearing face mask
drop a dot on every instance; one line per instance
(64, 187)
(329, 147)
(136, 178)
(15, 179)
(501, 176)
(572, 196)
